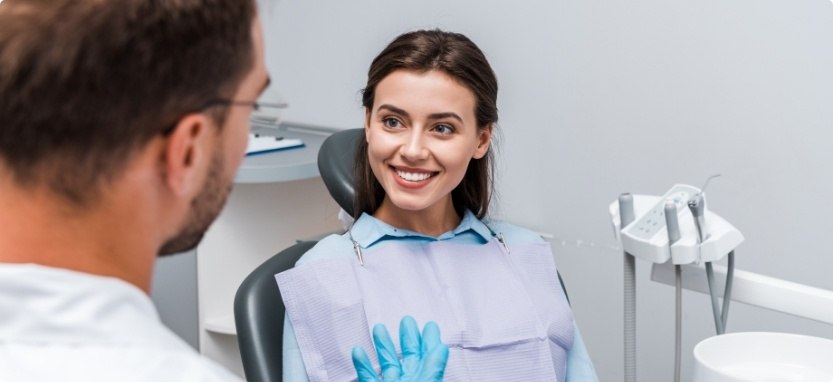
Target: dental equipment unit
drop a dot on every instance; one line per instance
(681, 237)
(677, 227)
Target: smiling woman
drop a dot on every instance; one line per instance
(424, 135)
(422, 244)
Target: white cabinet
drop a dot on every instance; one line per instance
(277, 199)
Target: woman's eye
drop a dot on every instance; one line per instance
(444, 129)
(391, 122)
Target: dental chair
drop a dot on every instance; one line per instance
(258, 308)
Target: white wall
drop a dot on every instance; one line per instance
(600, 97)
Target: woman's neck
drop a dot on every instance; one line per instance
(432, 221)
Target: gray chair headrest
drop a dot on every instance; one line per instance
(336, 161)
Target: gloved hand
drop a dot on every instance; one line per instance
(423, 357)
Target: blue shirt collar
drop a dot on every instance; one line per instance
(368, 230)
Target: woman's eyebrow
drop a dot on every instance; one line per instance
(404, 113)
(393, 109)
(447, 114)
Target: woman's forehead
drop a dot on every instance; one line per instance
(430, 92)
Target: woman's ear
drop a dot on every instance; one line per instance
(484, 140)
(186, 153)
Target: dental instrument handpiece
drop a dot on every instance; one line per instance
(671, 222)
(697, 205)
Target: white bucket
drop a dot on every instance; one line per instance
(763, 357)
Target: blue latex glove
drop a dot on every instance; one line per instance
(423, 357)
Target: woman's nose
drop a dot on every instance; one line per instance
(414, 148)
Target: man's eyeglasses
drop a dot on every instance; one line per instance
(255, 105)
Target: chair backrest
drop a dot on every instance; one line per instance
(258, 307)
(259, 315)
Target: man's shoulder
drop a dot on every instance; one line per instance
(186, 366)
(106, 362)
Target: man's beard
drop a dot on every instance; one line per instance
(205, 207)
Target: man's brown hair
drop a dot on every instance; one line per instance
(83, 83)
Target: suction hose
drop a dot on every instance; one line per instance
(626, 216)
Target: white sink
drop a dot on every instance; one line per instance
(763, 357)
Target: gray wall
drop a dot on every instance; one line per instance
(600, 97)
(174, 292)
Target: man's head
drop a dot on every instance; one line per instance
(85, 83)
(89, 86)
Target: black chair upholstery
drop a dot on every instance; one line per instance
(259, 315)
(336, 160)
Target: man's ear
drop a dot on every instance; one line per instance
(186, 153)
(484, 140)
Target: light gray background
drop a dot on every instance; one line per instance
(174, 291)
(598, 97)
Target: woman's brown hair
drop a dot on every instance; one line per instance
(457, 56)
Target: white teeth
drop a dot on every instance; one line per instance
(413, 176)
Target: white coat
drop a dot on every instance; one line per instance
(60, 325)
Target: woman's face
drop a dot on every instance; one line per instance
(421, 134)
